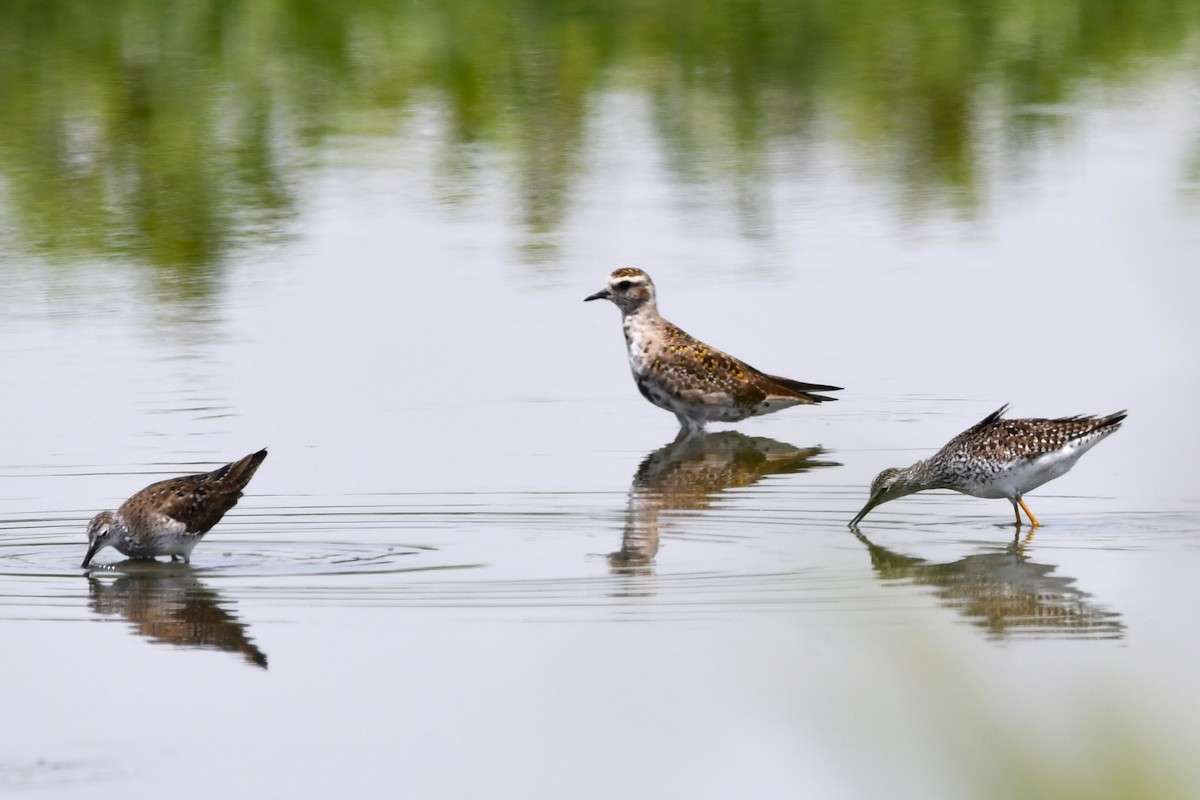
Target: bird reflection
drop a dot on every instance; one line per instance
(688, 473)
(1004, 592)
(166, 602)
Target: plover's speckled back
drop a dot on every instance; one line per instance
(998, 458)
(168, 518)
(695, 382)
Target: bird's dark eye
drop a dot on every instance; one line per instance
(623, 285)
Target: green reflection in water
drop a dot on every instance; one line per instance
(127, 132)
(170, 133)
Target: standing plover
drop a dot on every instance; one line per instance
(693, 381)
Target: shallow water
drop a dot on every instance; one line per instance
(476, 562)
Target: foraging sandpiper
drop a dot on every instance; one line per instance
(998, 458)
(695, 382)
(170, 517)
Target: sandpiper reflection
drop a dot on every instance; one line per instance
(169, 603)
(688, 473)
(1004, 592)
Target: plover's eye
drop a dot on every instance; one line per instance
(623, 285)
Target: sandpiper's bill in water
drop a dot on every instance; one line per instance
(168, 518)
(695, 382)
(998, 458)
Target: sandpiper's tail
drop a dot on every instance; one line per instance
(1090, 425)
(1101, 427)
(1112, 420)
(235, 476)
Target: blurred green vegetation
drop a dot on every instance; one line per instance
(1117, 740)
(170, 132)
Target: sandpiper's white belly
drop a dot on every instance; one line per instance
(1020, 477)
(168, 537)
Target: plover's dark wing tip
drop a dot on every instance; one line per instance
(804, 387)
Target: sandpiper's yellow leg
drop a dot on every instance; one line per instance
(1017, 511)
(1032, 519)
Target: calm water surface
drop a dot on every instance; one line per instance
(476, 562)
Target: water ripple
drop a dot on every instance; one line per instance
(676, 545)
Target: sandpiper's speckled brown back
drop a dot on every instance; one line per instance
(196, 501)
(1004, 442)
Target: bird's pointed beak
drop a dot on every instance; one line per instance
(600, 295)
(875, 500)
(93, 548)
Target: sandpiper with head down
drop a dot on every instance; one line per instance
(170, 517)
(695, 382)
(998, 458)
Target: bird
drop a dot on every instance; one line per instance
(997, 458)
(170, 517)
(695, 382)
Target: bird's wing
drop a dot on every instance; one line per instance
(197, 502)
(699, 368)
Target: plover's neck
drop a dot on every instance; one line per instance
(643, 332)
(644, 316)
